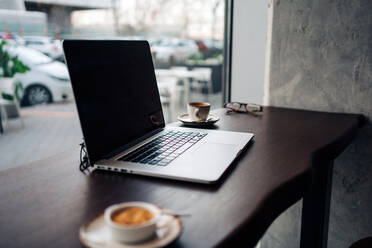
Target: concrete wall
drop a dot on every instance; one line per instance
(321, 59)
(248, 50)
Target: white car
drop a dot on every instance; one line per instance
(47, 80)
(171, 51)
(46, 45)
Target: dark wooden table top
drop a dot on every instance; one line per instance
(43, 204)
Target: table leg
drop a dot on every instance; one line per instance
(316, 204)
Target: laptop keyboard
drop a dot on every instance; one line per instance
(165, 148)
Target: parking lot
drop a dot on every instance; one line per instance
(53, 128)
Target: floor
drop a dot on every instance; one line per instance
(50, 129)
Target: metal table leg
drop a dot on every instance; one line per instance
(316, 204)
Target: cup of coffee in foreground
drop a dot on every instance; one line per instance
(198, 111)
(132, 221)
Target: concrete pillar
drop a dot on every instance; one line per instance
(321, 59)
(60, 15)
(12, 4)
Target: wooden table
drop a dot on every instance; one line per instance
(44, 203)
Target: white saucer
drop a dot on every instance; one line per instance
(185, 119)
(95, 234)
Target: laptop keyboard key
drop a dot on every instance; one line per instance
(164, 149)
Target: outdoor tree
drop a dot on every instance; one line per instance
(146, 12)
(190, 11)
(216, 5)
(115, 15)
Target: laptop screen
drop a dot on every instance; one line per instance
(115, 91)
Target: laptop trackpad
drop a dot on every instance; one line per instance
(217, 153)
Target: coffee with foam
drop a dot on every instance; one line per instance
(132, 216)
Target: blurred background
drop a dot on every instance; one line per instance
(37, 107)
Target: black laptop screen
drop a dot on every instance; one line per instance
(115, 92)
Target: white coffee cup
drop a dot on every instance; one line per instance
(132, 233)
(198, 111)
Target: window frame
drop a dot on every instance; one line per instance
(227, 51)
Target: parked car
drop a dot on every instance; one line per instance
(47, 80)
(201, 46)
(11, 38)
(171, 51)
(46, 45)
(214, 47)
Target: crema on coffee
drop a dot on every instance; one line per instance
(132, 216)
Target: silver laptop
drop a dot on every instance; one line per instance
(122, 121)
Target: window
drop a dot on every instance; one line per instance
(186, 39)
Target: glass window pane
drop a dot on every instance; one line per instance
(186, 40)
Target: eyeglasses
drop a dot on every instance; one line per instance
(239, 107)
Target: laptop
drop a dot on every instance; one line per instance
(122, 120)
